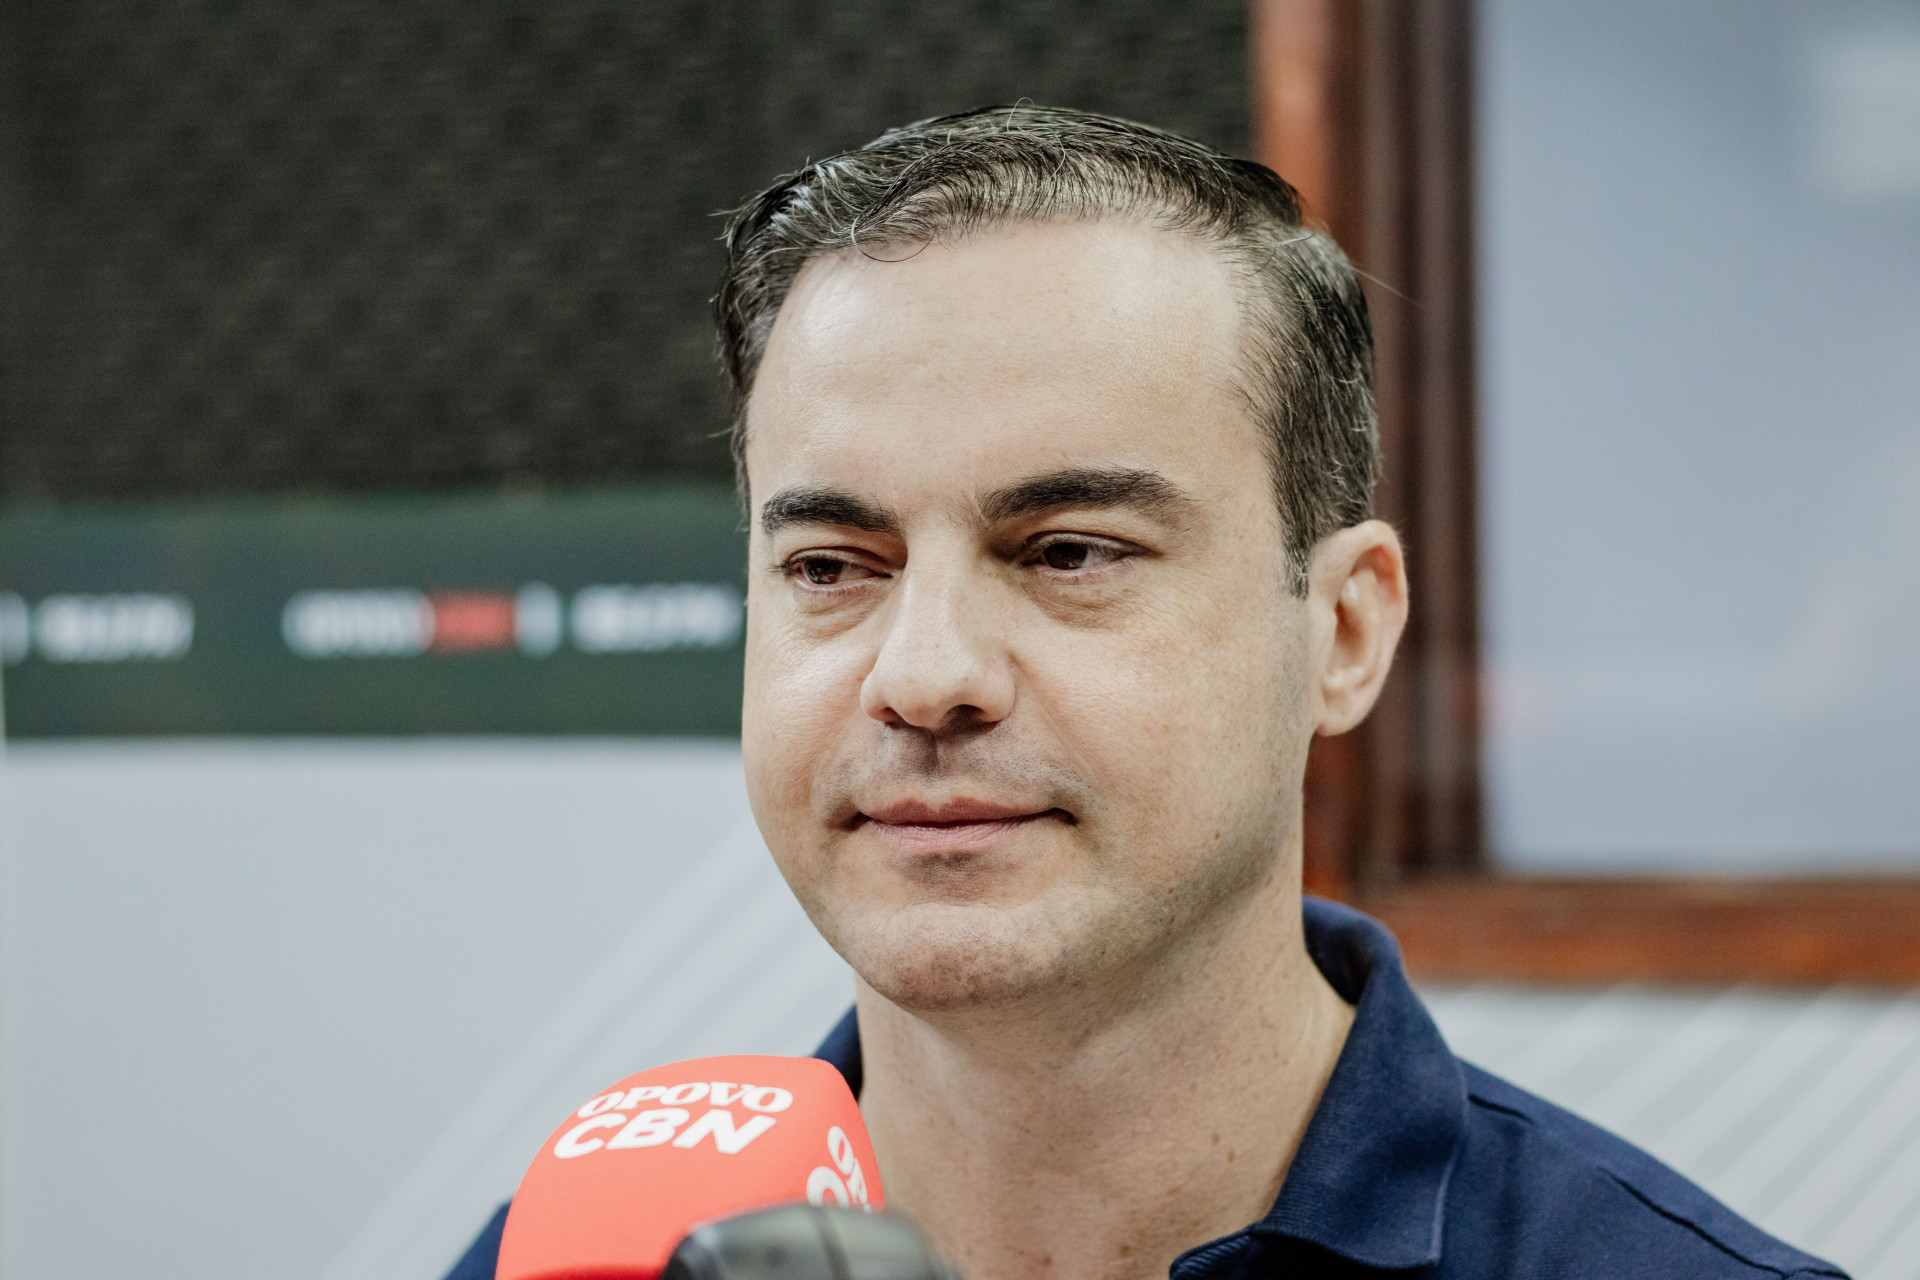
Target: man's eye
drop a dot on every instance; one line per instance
(1069, 554)
(1065, 555)
(825, 571)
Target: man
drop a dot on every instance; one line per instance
(1057, 438)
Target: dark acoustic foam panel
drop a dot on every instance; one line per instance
(399, 244)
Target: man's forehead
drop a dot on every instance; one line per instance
(1031, 301)
(980, 365)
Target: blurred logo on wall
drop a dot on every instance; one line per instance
(604, 619)
(107, 628)
(610, 612)
(95, 628)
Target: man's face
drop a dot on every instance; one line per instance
(1026, 694)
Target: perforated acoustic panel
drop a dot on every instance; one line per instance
(260, 245)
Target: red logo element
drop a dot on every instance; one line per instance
(470, 621)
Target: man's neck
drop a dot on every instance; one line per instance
(1034, 1145)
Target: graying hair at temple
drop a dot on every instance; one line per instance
(1306, 368)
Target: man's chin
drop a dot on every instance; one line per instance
(935, 958)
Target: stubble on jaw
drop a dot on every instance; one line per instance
(940, 945)
(938, 941)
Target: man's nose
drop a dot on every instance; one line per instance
(943, 663)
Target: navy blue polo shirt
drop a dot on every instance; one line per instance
(1417, 1164)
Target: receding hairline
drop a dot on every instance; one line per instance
(1247, 297)
(1148, 212)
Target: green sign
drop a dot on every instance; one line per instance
(604, 612)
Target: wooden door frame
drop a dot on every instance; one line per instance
(1366, 106)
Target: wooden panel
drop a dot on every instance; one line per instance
(1365, 105)
(1303, 83)
(1414, 246)
(1693, 931)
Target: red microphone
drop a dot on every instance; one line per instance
(633, 1171)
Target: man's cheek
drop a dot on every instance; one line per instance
(1174, 738)
(1134, 709)
(799, 701)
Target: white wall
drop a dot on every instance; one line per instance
(304, 1008)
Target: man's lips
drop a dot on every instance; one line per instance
(950, 828)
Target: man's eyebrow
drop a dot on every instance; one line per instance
(1147, 491)
(801, 504)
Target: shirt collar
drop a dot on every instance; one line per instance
(1369, 1181)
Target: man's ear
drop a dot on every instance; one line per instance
(1357, 600)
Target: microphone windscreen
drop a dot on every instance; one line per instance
(801, 1242)
(637, 1167)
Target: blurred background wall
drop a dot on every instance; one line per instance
(272, 247)
(370, 578)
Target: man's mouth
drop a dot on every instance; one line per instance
(954, 827)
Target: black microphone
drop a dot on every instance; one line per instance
(806, 1242)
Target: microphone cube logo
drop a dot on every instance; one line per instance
(848, 1187)
(623, 1178)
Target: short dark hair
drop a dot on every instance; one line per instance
(1307, 363)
